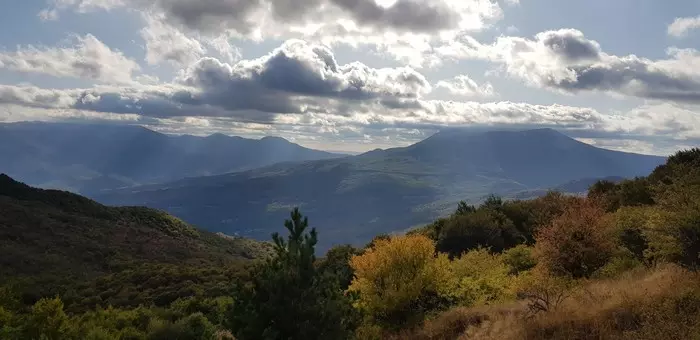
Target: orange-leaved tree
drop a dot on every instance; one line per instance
(577, 243)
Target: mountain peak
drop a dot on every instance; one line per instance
(274, 139)
(480, 135)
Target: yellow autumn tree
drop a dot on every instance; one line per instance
(481, 277)
(399, 279)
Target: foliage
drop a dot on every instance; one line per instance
(463, 208)
(543, 291)
(482, 228)
(519, 259)
(627, 193)
(400, 279)
(576, 243)
(89, 254)
(480, 277)
(495, 224)
(336, 264)
(658, 303)
(287, 297)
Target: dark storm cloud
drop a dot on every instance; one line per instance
(409, 15)
(210, 15)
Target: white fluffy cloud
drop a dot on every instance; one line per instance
(464, 86)
(405, 29)
(165, 43)
(565, 60)
(681, 26)
(89, 58)
(290, 77)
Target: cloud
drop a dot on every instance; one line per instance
(462, 85)
(247, 17)
(370, 122)
(283, 79)
(165, 43)
(296, 78)
(681, 26)
(31, 96)
(406, 29)
(89, 58)
(566, 61)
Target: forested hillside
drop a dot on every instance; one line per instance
(619, 263)
(58, 243)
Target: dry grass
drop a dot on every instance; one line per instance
(663, 303)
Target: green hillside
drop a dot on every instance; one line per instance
(54, 239)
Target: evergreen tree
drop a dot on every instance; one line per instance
(287, 298)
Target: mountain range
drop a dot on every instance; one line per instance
(88, 158)
(353, 198)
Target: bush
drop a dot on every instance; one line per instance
(577, 243)
(519, 259)
(400, 279)
(480, 278)
(48, 321)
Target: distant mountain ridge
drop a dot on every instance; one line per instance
(92, 157)
(352, 199)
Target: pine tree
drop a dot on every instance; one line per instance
(288, 298)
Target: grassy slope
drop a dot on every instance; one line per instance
(657, 303)
(54, 239)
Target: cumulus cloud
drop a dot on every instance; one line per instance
(681, 26)
(296, 78)
(32, 96)
(565, 60)
(165, 43)
(462, 85)
(89, 58)
(406, 29)
(279, 81)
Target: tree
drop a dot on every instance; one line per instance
(463, 208)
(480, 277)
(336, 264)
(400, 279)
(287, 297)
(492, 202)
(576, 243)
(48, 321)
(483, 228)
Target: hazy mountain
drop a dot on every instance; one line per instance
(91, 157)
(353, 198)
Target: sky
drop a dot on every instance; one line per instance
(355, 75)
